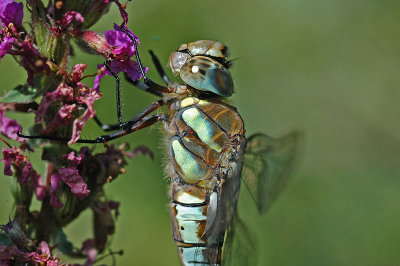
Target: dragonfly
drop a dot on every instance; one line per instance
(208, 152)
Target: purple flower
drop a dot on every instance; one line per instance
(11, 12)
(123, 45)
(6, 46)
(9, 127)
(122, 50)
(41, 256)
(62, 93)
(36, 181)
(72, 95)
(70, 176)
(71, 16)
(73, 159)
(55, 182)
(95, 41)
(89, 248)
(77, 72)
(78, 124)
(32, 61)
(62, 118)
(122, 11)
(130, 67)
(11, 156)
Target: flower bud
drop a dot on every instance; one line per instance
(17, 236)
(93, 11)
(40, 29)
(95, 42)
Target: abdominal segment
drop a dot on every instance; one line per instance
(203, 151)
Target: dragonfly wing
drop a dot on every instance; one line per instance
(239, 247)
(268, 164)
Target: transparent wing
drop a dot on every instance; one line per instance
(268, 164)
(239, 247)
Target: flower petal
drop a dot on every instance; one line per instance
(6, 45)
(89, 247)
(55, 181)
(71, 177)
(80, 122)
(63, 92)
(10, 127)
(71, 16)
(62, 118)
(77, 72)
(77, 160)
(130, 67)
(11, 12)
(123, 45)
(10, 156)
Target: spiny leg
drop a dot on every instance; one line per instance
(125, 126)
(159, 68)
(148, 85)
(132, 121)
(151, 84)
(141, 85)
(118, 91)
(145, 122)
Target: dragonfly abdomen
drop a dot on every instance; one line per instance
(206, 141)
(190, 222)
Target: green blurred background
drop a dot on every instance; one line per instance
(329, 68)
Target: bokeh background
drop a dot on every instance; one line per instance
(329, 68)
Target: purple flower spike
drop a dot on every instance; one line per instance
(123, 45)
(122, 50)
(11, 12)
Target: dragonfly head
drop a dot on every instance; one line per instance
(203, 66)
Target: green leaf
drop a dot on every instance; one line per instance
(20, 94)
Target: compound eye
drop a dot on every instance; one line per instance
(206, 74)
(176, 61)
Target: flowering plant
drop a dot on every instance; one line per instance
(62, 105)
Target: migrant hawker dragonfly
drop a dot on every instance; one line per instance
(208, 153)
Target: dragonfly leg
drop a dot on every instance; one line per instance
(118, 90)
(135, 119)
(147, 81)
(159, 68)
(143, 123)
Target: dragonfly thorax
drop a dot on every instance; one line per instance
(202, 65)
